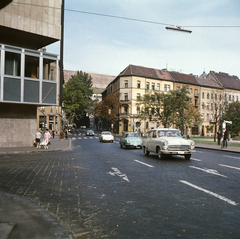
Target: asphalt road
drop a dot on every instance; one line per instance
(99, 190)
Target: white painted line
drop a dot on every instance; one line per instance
(196, 159)
(211, 171)
(116, 142)
(144, 164)
(118, 173)
(231, 157)
(228, 166)
(79, 137)
(209, 192)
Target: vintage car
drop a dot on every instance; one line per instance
(89, 132)
(106, 136)
(167, 141)
(130, 139)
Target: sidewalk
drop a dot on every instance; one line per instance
(56, 145)
(233, 149)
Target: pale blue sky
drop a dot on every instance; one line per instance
(108, 45)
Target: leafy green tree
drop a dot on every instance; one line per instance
(167, 107)
(233, 114)
(77, 93)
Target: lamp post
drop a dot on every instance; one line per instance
(183, 116)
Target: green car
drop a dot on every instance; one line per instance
(130, 139)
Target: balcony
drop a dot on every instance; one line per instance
(196, 95)
(125, 102)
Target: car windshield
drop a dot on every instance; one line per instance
(131, 135)
(168, 133)
(106, 133)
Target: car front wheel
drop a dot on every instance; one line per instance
(187, 156)
(159, 153)
(145, 151)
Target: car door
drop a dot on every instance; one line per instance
(146, 138)
(152, 141)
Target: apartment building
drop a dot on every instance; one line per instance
(29, 76)
(205, 94)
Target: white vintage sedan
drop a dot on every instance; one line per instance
(106, 136)
(167, 141)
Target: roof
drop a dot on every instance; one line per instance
(207, 82)
(132, 70)
(183, 78)
(227, 80)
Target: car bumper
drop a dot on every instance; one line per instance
(178, 152)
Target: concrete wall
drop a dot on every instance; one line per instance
(18, 124)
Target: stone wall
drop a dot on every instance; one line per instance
(18, 124)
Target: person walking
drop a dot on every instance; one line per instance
(37, 138)
(219, 136)
(225, 138)
(53, 133)
(61, 135)
(47, 136)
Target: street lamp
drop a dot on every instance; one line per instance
(177, 28)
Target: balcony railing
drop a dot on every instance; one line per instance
(125, 101)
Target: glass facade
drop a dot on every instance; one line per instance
(28, 77)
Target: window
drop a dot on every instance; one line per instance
(125, 110)
(207, 95)
(138, 96)
(158, 86)
(31, 66)
(138, 84)
(202, 116)
(233, 98)
(215, 96)
(190, 91)
(153, 86)
(211, 106)
(178, 88)
(126, 84)
(212, 96)
(207, 116)
(236, 98)
(147, 85)
(230, 97)
(190, 99)
(220, 97)
(147, 111)
(203, 105)
(207, 106)
(147, 125)
(126, 96)
(196, 93)
(203, 95)
(49, 69)
(12, 64)
(166, 87)
(138, 110)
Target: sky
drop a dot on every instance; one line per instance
(108, 45)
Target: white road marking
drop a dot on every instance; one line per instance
(228, 166)
(209, 192)
(196, 159)
(231, 157)
(79, 137)
(144, 164)
(118, 173)
(211, 171)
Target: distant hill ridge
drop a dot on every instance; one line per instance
(99, 80)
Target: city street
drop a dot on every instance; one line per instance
(98, 190)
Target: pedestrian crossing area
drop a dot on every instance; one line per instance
(84, 137)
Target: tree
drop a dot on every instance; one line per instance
(233, 114)
(168, 108)
(108, 108)
(77, 93)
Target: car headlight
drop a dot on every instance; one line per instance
(192, 145)
(165, 145)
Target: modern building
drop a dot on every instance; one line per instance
(29, 76)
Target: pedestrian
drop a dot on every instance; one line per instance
(188, 134)
(66, 134)
(61, 135)
(53, 133)
(37, 138)
(47, 136)
(225, 138)
(219, 136)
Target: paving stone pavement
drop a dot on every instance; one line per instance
(48, 180)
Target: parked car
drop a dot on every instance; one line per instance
(167, 141)
(130, 139)
(106, 136)
(89, 132)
